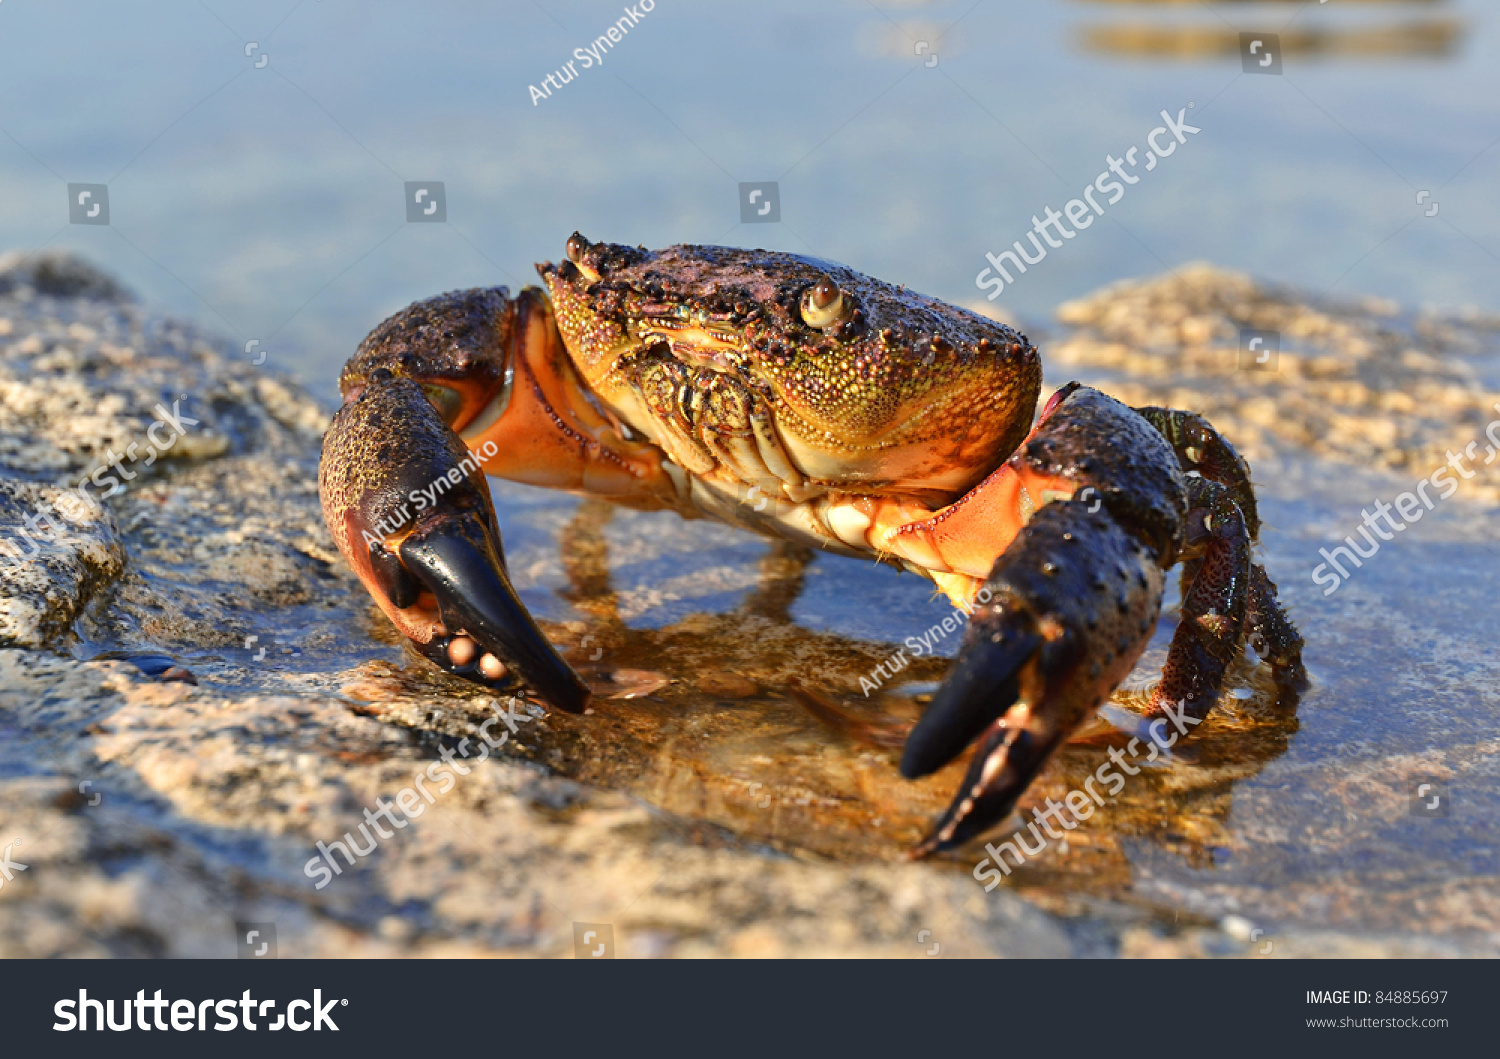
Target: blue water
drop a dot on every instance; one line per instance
(267, 201)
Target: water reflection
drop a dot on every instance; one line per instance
(728, 742)
(1357, 36)
(1434, 39)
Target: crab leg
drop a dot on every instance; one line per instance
(1065, 609)
(1213, 606)
(437, 571)
(446, 391)
(1202, 449)
(957, 545)
(1073, 602)
(1275, 638)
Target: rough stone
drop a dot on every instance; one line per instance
(707, 816)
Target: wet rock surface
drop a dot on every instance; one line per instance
(1360, 382)
(699, 809)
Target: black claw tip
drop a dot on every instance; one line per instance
(454, 558)
(982, 804)
(982, 685)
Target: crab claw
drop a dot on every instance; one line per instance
(410, 509)
(1059, 622)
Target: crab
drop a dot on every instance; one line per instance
(800, 399)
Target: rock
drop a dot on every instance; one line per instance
(56, 553)
(1342, 368)
(726, 685)
(57, 275)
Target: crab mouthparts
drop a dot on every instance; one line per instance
(699, 345)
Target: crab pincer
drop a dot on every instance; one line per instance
(444, 392)
(1067, 607)
(413, 517)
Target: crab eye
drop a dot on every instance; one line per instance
(823, 304)
(448, 401)
(577, 244)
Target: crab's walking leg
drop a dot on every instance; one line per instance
(1203, 449)
(1275, 638)
(1212, 620)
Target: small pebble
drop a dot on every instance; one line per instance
(636, 683)
(727, 685)
(162, 668)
